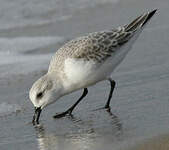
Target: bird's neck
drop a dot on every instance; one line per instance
(61, 83)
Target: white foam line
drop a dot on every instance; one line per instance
(6, 109)
(13, 45)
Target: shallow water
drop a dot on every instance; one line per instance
(30, 33)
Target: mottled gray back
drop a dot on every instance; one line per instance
(97, 46)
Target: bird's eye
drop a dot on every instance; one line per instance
(39, 95)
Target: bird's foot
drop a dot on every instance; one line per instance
(63, 114)
(106, 108)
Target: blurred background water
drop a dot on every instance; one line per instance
(31, 31)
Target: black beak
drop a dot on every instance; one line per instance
(36, 115)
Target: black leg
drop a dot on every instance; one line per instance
(112, 83)
(69, 111)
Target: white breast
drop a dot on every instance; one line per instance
(81, 73)
(78, 70)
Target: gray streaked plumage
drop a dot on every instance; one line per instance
(98, 46)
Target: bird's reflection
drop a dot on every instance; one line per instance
(83, 134)
(115, 120)
(45, 141)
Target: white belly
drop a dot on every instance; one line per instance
(82, 73)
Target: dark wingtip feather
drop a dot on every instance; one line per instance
(149, 16)
(140, 21)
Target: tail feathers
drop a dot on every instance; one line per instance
(139, 21)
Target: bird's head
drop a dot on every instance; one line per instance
(44, 91)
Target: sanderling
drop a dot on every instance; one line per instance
(83, 62)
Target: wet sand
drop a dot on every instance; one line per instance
(156, 143)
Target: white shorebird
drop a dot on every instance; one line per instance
(83, 62)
